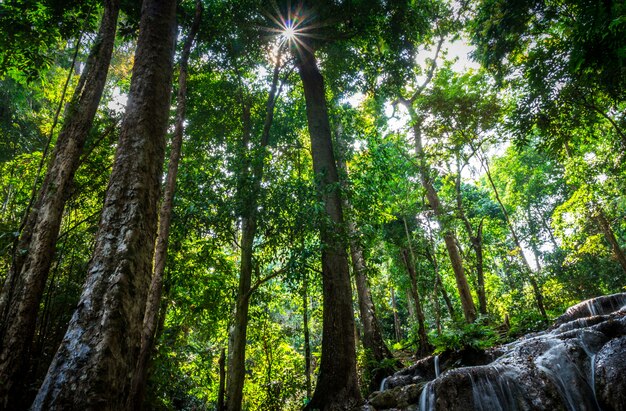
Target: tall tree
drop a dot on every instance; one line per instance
(373, 340)
(337, 384)
(151, 316)
(529, 271)
(91, 368)
(24, 285)
(249, 188)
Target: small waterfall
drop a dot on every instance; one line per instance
(427, 398)
(576, 388)
(382, 384)
(495, 390)
(436, 360)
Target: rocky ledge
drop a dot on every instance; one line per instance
(577, 364)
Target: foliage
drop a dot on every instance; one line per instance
(460, 336)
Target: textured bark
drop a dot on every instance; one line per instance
(151, 316)
(337, 385)
(92, 368)
(469, 310)
(23, 290)
(248, 190)
(529, 272)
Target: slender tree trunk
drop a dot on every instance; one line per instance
(151, 316)
(396, 319)
(222, 385)
(469, 310)
(605, 226)
(92, 368)
(432, 256)
(307, 338)
(476, 243)
(337, 384)
(23, 290)
(372, 335)
(529, 272)
(599, 215)
(249, 193)
(437, 306)
(408, 256)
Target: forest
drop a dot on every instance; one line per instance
(312, 204)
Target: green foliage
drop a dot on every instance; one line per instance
(460, 336)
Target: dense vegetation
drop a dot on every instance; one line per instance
(340, 192)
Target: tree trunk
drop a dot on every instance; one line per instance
(605, 226)
(92, 368)
(337, 385)
(248, 190)
(529, 272)
(307, 338)
(469, 310)
(408, 256)
(372, 335)
(396, 320)
(222, 385)
(25, 282)
(151, 317)
(476, 243)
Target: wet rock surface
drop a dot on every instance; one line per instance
(578, 364)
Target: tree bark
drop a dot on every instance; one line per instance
(151, 315)
(337, 385)
(92, 368)
(469, 310)
(25, 282)
(529, 272)
(248, 191)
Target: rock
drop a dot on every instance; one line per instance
(603, 305)
(610, 370)
(579, 364)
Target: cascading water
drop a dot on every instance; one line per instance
(556, 369)
(382, 384)
(427, 398)
(495, 390)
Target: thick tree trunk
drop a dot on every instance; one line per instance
(529, 272)
(469, 310)
(92, 368)
(151, 316)
(337, 385)
(25, 283)
(248, 190)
